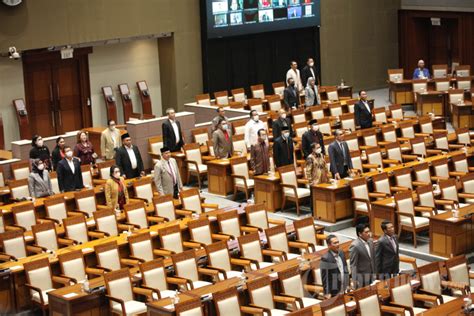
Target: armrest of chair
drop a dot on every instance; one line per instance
(236, 176)
(466, 195)
(104, 269)
(66, 241)
(370, 166)
(444, 202)
(221, 237)
(285, 300)
(6, 257)
(424, 209)
(163, 252)
(391, 161)
(95, 234)
(403, 139)
(141, 260)
(298, 300)
(290, 186)
(409, 157)
(378, 195)
(274, 253)
(36, 289)
(250, 310)
(94, 271)
(77, 213)
(434, 151)
(66, 281)
(300, 245)
(255, 262)
(256, 307)
(250, 229)
(422, 135)
(56, 221)
(398, 188)
(71, 280)
(184, 213)
(135, 226)
(240, 262)
(455, 285)
(438, 296)
(210, 206)
(392, 310)
(210, 271)
(99, 232)
(314, 289)
(276, 222)
(34, 249)
(411, 261)
(130, 262)
(144, 292)
(156, 219)
(457, 173)
(425, 298)
(180, 281)
(98, 181)
(367, 202)
(43, 249)
(117, 300)
(193, 163)
(193, 244)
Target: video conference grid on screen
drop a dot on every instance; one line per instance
(237, 17)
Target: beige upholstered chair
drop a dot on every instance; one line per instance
(348, 122)
(46, 238)
(165, 209)
(419, 86)
(186, 267)
(458, 272)
(172, 242)
(460, 163)
(20, 170)
(374, 158)
(226, 302)
(238, 94)
(192, 307)
(154, 278)
(219, 259)
(456, 96)
(449, 192)
(407, 218)
(238, 142)
(396, 112)
(389, 134)
(229, 224)
(240, 175)
(317, 112)
(258, 91)
(325, 126)
(19, 189)
(380, 116)
(104, 169)
(261, 296)
(352, 141)
(274, 102)
(357, 165)
(361, 196)
(137, 217)
(422, 174)
(442, 84)
(194, 162)
(401, 295)
(395, 75)
(334, 306)
(221, 97)
(440, 71)
(368, 303)
(121, 294)
(75, 229)
(306, 233)
(426, 200)
(251, 250)
(56, 209)
(332, 94)
(106, 223)
(441, 169)
(108, 257)
(200, 232)
(464, 136)
(463, 71)
(155, 144)
(203, 99)
(257, 218)
(87, 176)
(441, 142)
(381, 184)
(292, 285)
(418, 147)
(335, 109)
(467, 182)
(370, 138)
(255, 104)
(432, 283)
(73, 267)
(394, 152)
(291, 191)
(143, 189)
(464, 84)
(24, 216)
(403, 178)
(191, 201)
(86, 202)
(277, 240)
(426, 126)
(14, 246)
(278, 88)
(351, 105)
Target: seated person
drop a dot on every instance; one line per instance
(421, 72)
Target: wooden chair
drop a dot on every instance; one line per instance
(20, 170)
(467, 182)
(274, 102)
(407, 218)
(171, 241)
(201, 137)
(278, 88)
(86, 202)
(298, 116)
(418, 147)
(261, 296)
(137, 217)
(194, 162)
(426, 126)
(306, 233)
(56, 209)
(257, 91)
(458, 272)
(460, 163)
(165, 209)
(432, 282)
(200, 232)
(141, 247)
(227, 302)
(222, 98)
(334, 306)
(24, 216)
(440, 71)
(369, 136)
(449, 192)
(463, 71)
(335, 109)
(121, 294)
(463, 136)
(87, 176)
(257, 218)
(219, 259)
(255, 104)
(381, 184)
(422, 174)
(407, 129)
(291, 191)
(238, 94)
(104, 169)
(317, 112)
(277, 240)
(292, 286)
(357, 166)
(396, 112)
(348, 122)
(238, 142)
(106, 223)
(332, 94)
(401, 295)
(73, 267)
(190, 307)
(19, 189)
(325, 126)
(394, 152)
(374, 158)
(419, 86)
(155, 279)
(143, 189)
(46, 238)
(441, 142)
(191, 201)
(395, 75)
(455, 96)
(426, 200)
(441, 169)
(403, 178)
(203, 99)
(108, 257)
(155, 143)
(442, 84)
(241, 177)
(368, 304)
(14, 246)
(251, 251)
(361, 197)
(229, 224)
(464, 84)
(352, 141)
(389, 134)
(75, 230)
(351, 105)
(186, 267)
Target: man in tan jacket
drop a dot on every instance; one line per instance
(222, 140)
(166, 175)
(109, 141)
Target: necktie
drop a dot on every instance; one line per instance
(394, 245)
(172, 173)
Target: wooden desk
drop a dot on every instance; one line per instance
(462, 115)
(382, 210)
(452, 236)
(451, 308)
(6, 155)
(332, 202)
(431, 102)
(218, 176)
(268, 191)
(401, 92)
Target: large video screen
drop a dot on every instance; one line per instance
(239, 17)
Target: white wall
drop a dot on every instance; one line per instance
(128, 63)
(11, 87)
(439, 5)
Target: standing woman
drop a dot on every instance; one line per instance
(116, 194)
(40, 151)
(39, 182)
(58, 152)
(316, 168)
(84, 149)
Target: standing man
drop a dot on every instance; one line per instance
(220, 115)
(309, 70)
(109, 141)
(69, 172)
(311, 93)
(387, 258)
(334, 271)
(259, 154)
(339, 156)
(291, 96)
(172, 133)
(421, 72)
(222, 140)
(312, 135)
(362, 111)
(128, 159)
(294, 74)
(281, 122)
(166, 176)
(251, 129)
(362, 253)
(283, 149)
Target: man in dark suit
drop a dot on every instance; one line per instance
(172, 133)
(291, 96)
(334, 271)
(283, 149)
(362, 111)
(362, 254)
(281, 122)
(313, 135)
(387, 258)
(128, 158)
(308, 71)
(69, 172)
(339, 156)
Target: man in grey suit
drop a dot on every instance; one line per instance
(166, 174)
(339, 156)
(362, 253)
(387, 260)
(334, 272)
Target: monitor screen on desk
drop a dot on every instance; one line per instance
(239, 17)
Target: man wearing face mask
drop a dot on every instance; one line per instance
(222, 140)
(283, 151)
(259, 154)
(362, 111)
(281, 122)
(40, 151)
(128, 158)
(339, 156)
(69, 172)
(291, 96)
(311, 136)
(308, 71)
(109, 141)
(251, 129)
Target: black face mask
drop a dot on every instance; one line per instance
(292, 84)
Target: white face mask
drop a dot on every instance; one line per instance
(112, 128)
(315, 128)
(311, 64)
(285, 135)
(283, 116)
(255, 118)
(318, 150)
(41, 167)
(40, 143)
(69, 153)
(224, 126)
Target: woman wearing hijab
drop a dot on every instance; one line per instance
(40, 151)
(116, 194)
(311, 93)
(316, 168)
(58, 152)
(39, 182)
(84, 149)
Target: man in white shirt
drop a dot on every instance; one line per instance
(251, 129)
(362, 111)
(362, 254)
(128, 158)
(294, 73)
(172, 133)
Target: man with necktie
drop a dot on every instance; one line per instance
(166, 176)
(339, 156)
(362, 254)
(291, 96)
(334, 271)
(283, 149)
(387, 258)
(362, 111)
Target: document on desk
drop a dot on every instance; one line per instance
(69, 295)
